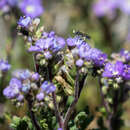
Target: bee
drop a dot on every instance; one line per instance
(84, 35)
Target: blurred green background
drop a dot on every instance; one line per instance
(64, 16)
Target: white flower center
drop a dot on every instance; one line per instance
(30, 8)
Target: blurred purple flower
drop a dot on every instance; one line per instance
(108, 7)
(20, 97)
(32, 8)
(125, 54)
(3, 3)
(124, 5)
(104, 7)
(4, 66)
(40, 96)
(13, 2)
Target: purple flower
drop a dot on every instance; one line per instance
(124, 5)
(24, 21)
(25, 74)
(16, 83)
(48, 44)
(97, 57)
(13, 2)
(32, 8)
(58, 44)
(48, 87)
(113, 70)
(3, 3)
(104, 7)
(76, 41)
(35, 76)
(40, 45)
(83, 50)
(79, 62)
(40, 96)
(13, 90)
(59, 129)
(20, 97)
(4, 66)
(47, 55)
(26, 87)
(126, 54)
(126, 72)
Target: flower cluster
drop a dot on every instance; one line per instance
(117, 70)
(86, 52)
(23, 83)
(46, 88)
(104, 7)
(4, 66)
(48, 44)
(32, 8)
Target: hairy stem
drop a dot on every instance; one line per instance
(57, 113)
(106, 106)
(72, 106)
(56, 108)
(32, 115)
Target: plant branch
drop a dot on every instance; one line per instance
(105, 104)
(32, 115)
(72, 106)
(57, 113)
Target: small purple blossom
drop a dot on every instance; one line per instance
(83, 50)
(31, 8)
(79, 62)
(24, 21)
(4, 66)
(76, 41)
(26, 87)
(25, 74)
(35, 76)
(40, 96)
(15, 82)
(47, 55)
(20, 98)
(13, 90)
(113, 70)
(48, 87)
(126, 72)
(97, 57)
